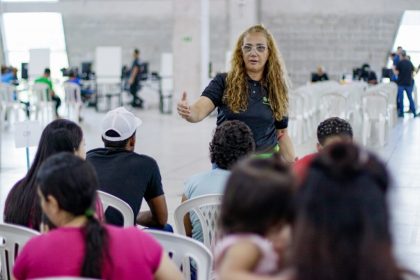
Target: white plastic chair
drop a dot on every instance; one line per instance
(42, 103)
(333, 105)
(73, 99)
(109, 200)
(375, 110)
(207, 209)
(181, 249)
(296, 117)
(13, 239)
(8, 103)
(391, 91)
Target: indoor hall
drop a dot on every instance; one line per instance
(182, 46)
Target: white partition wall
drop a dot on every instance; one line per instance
(39, 59)
(108, 64)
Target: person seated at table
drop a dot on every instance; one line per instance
(320, 75)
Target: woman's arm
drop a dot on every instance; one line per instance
(239, 261)
(196, 112)
(167, 270)
(287, 150)
(187, 220)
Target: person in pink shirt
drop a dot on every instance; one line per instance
(81, 246)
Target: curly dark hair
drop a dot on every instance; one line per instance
(232, 140)
(333, 127)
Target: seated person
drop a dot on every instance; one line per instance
(126, 174)
(320, 75)
(368, 75)
(46, 79)
(22, 206)
(232, 141)
(342, 227)
(255, 221)
(81, 246)
(86, 93)
(329, 131)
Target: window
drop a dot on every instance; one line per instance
(25, 31)
(407, 37)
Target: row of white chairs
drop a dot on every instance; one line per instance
(182, 249)
(40, 102)
(361, 105)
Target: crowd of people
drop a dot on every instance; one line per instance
(324, 216)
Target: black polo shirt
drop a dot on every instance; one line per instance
(258, 116)
(405, 72)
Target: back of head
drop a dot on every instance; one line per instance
(403, 53)
(232, 140)
(70, 180)
(257, 197)
(334, 127)
(118, 126)
(73, 183)
(22, 206)
(342, 222)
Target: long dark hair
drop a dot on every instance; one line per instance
(342, 221)
(22, 205)
(258, 196)
(73, 183)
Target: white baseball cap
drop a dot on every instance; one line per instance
(122, 122)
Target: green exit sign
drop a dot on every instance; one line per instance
(187, 39)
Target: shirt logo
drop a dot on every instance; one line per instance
(266, 101)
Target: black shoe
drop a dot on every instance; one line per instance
(401, 115)
(416, 115)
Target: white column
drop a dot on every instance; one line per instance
(190, 47)
(242, 14)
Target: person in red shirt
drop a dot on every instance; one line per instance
(329, 131)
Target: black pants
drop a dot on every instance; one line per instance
(137, 101)
(57, 101)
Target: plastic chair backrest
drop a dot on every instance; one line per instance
(72, 93)
(7, 93)
(40, 92)
(13, 239)
(333, 105)
(109, 200)
(207, 209)
(375, 105)
(296, 105)
(181, 249)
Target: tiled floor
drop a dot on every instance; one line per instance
(181, 149)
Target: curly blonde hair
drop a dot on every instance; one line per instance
(274, 77)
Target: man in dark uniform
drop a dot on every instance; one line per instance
(404, 70)
(134, 80)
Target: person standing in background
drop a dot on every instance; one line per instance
(405, 70)
(134, 80)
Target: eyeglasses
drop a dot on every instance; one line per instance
(259, 48)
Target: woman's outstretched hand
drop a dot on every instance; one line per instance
(183, 107)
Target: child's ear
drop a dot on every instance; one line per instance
(318, 147)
